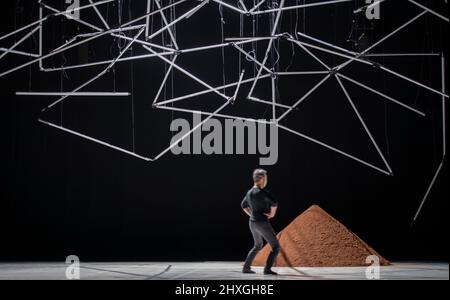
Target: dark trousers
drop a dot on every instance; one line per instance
(262, 230)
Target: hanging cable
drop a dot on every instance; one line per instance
(113, 68)
(257, 34)
(293, 29)
(271, 5)
(429, 48)
(61, 73)
(132, 88)
(164, 36)
(304, 18)
(172, 18)
(241, 34)
(386, 107)
(254, 35)
(222, 24)
(335, 17)
(119, 11)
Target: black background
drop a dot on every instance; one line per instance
(62, 195)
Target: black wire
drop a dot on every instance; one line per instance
(335, 30)
(429, 46)
(386, 106)
(33, 40)
(172, 18)
(222, 29)
(289, 65)
(61, 74)
(254, 32)
(132, 89)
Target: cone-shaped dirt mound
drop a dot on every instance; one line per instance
(316, 239)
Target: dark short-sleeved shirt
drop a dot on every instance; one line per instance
(259, 201)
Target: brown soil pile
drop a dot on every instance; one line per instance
(316, 239)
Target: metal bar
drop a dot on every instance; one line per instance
(429, 10)
(230, 6)
(76, 20)
(202, 48)
(300, 44)
(106, 62)
(383, 39)
(414, 81)
(207, 91)
(425, 197)
(303, 98)
(333, 149)
(369, 63)
(216, 115)
(326, 44)
(251, 58)
(266, 56)
(22, 28)
(272, 81)
(76, 94)
(253, 98)
(222, 45)
(361, 120)
(196, 9)
(52, 15)
(147, 19)
(100, 16)
(301, 73)
(444, 144)
(444, 120)
(298, 6)
(256, 6)
(73, 39)
(187, 73)
(143, 42)
(147, 15)
(243, 38)
(95, 140)
(61, 50)
(183, 16)
(19, 42)
(399, 54)
(165, 78)
(172, 37)
(18, 52)
(40, 35)
(233, 99)
(85, 6)
(192, 130)
(383, 95)
(243, 6)
(99, 74)
(368, 6)
(330, 51)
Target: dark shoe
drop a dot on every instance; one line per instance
(248, 271)
(270, 272)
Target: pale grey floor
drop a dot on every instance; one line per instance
(213, 271)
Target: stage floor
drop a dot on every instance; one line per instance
(214, 271)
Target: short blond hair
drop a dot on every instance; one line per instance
(258, 174)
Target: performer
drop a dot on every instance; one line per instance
(260, 206)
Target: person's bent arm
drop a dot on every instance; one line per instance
(273, 211)
(248, 211)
